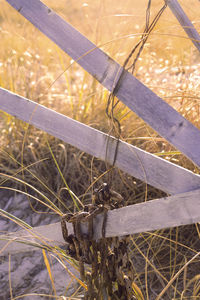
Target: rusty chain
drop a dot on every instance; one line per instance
(111, 271)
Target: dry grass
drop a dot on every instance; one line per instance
(31, 65)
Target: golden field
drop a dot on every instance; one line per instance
(32, 66)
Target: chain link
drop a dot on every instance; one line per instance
(111, 271)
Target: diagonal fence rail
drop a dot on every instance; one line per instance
(185, 22)
(147, 167)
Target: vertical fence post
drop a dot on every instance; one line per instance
(185, 22)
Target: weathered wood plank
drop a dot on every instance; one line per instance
(177, 210)
(138, 163)
(185, 22)
(181, 209)
(146, 104)
(47, 235)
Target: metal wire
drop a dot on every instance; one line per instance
(112, 102)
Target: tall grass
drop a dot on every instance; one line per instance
(165, 261)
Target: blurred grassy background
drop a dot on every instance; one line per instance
(32, 66)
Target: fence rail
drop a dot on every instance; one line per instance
(154, 170)
(185, 22)
(181, 209)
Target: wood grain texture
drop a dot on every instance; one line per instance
(146, 104)
(138, 163)
(185, 22)
(181, 209)
(157, 214)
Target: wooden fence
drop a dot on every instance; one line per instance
(183, 206)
